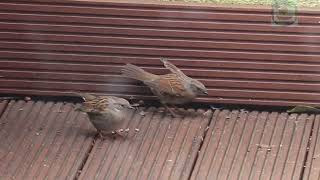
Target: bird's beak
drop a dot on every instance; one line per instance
(205, 93)
(131, 107)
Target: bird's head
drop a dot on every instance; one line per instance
(198, 88)
(122, 103)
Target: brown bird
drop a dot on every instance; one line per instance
(173, 88)
(106, 113)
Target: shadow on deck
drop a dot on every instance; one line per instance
(50, 140)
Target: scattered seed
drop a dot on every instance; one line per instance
(137, 130)
(37, 134)
(127, 130)
(201, 138)
(27, 98)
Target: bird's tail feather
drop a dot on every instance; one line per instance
(137, 73)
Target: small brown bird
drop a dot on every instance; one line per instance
(106, 113)
(173, 88)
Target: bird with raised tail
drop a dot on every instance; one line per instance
(174, 88)
(106, 113)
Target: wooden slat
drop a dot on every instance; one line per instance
(141, 41)
(153, 51)
(117, 80)
(3, 106)
(54, 62)
(156, 32)
(254, 145)
(43, 140)
(312, 170)
(217, 92)
(159, 23)
(52, 47)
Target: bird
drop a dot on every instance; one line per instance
(106, 113)
(172, 89)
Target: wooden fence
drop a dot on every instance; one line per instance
(49, 47)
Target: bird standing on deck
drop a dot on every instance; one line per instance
(106, 113)
(173, 88)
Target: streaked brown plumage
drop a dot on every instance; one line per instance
(173, 88)
(106, 113)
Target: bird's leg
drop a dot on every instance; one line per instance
(170, 110)
(102, 135)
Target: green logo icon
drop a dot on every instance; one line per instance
(284, 12)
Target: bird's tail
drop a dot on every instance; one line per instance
(137, 73)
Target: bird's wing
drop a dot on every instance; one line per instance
(100, 103)
(173, 68)
(169, 84)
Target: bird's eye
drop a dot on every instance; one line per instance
(199, 89)
(120, 105)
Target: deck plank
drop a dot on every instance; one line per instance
(312, 169)
(3, 106)
(43, 140)
(254, 145)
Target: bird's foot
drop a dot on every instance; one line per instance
(113, 134)
(173, 114)
(102, 135)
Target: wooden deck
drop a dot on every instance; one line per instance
(52, 47)
(50, 140)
